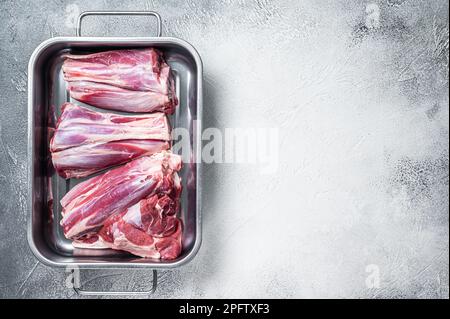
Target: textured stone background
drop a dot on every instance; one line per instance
(362, 110)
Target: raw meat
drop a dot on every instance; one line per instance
(79, 126)
(88, 205)
(86, 141)
(154, 215)
(137, 69)
(115, 98)
(128, 80)
(147, 229)
(85, 160)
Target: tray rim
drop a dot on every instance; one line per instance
(30, 155)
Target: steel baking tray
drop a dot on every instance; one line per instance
(47, 92)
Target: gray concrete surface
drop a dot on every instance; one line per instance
(358, 90)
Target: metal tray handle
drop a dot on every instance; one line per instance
(120, 13)
(82, 292)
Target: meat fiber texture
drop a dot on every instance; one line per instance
(137, 80)
(149, 228)
(131, 208)
(87, 141)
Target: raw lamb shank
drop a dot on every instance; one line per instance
(137, 80)
(89, 204)
(149, 228)
(86, 141)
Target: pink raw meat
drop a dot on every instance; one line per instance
(88, 159)
(87, 141)
(115, 98)
(148, 229)
(137, 80)
(79, 126)
(88, 205)
(136, 69)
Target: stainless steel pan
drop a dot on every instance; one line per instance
(47, 91)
